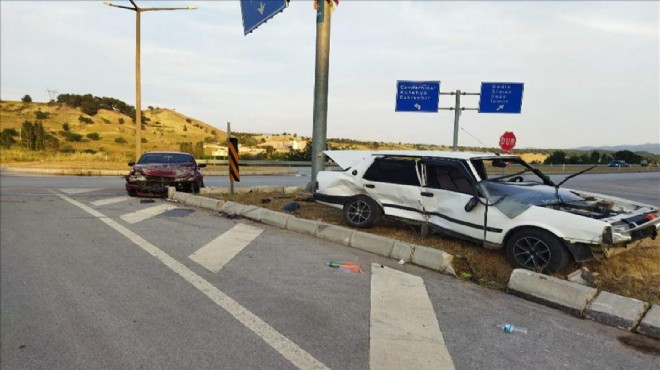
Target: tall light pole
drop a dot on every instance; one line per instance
(138, 78)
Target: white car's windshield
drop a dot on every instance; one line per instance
(512, 186)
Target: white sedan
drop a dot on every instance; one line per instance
(498, 201)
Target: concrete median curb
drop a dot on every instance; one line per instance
(427, 257)
(650, 324)
(551, 291)
(606, 308)
(615, 310)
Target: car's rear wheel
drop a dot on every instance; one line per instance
(536, 250)
(362, 211)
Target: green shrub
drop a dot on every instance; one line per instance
(41, 115)
(71, 136)
(67, 149)
(86, 120)
(120, 140)
(94, 136)
(90, 151)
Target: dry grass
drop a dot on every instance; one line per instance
(635, 273)
(164, 131)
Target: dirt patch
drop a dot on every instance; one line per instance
(635, 273)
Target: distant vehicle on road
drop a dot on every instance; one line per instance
(618, 163)
(155, 171)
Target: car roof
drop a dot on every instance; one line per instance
(165, 152)
(348, 158)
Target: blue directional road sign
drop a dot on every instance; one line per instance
(417, 96)
(256, 12)
(501, 97)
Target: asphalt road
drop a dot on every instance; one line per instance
(91, 279)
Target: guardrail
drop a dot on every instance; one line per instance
(260, 163)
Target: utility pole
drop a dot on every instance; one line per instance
(138, 78)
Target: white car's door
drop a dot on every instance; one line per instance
(394, 184)
(448, 188)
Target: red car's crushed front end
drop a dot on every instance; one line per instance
(152, 179)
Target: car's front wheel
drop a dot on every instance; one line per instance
(536, 250)
(362, 211)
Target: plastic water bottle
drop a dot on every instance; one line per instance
(510, 329)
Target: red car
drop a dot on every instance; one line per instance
(155, 171)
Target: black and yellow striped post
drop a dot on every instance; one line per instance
(234, 170)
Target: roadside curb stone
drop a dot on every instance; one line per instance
(566, 296)
(615, 310)
(402, 251)
(302, 225)
(371, 243)
(650, 324)
(253, 213)
(433, 258)
(273, 218)
(334, 233)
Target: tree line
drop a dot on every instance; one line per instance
(595, 157)
(90, 104)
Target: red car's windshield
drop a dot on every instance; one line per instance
(154, 158)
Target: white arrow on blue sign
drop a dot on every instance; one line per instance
(417, 96)
(256, 12)
(501, 97)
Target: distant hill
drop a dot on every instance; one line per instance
(109, 131)
(649, 148)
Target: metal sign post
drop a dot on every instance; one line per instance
(457, 113)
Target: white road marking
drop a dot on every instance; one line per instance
(217, 253)
(72, 191)
(291, 351)
(105, 202)
(146, 213)
(404, 329)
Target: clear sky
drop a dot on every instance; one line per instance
(590, 69)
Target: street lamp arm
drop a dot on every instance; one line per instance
(138, 9)
(191, 7)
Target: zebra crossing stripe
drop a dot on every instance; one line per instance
(105, 202)
(217, 253)
(146, 213)
(404, 329)
(72, 191)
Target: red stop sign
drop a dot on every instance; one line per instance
(507, 141)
